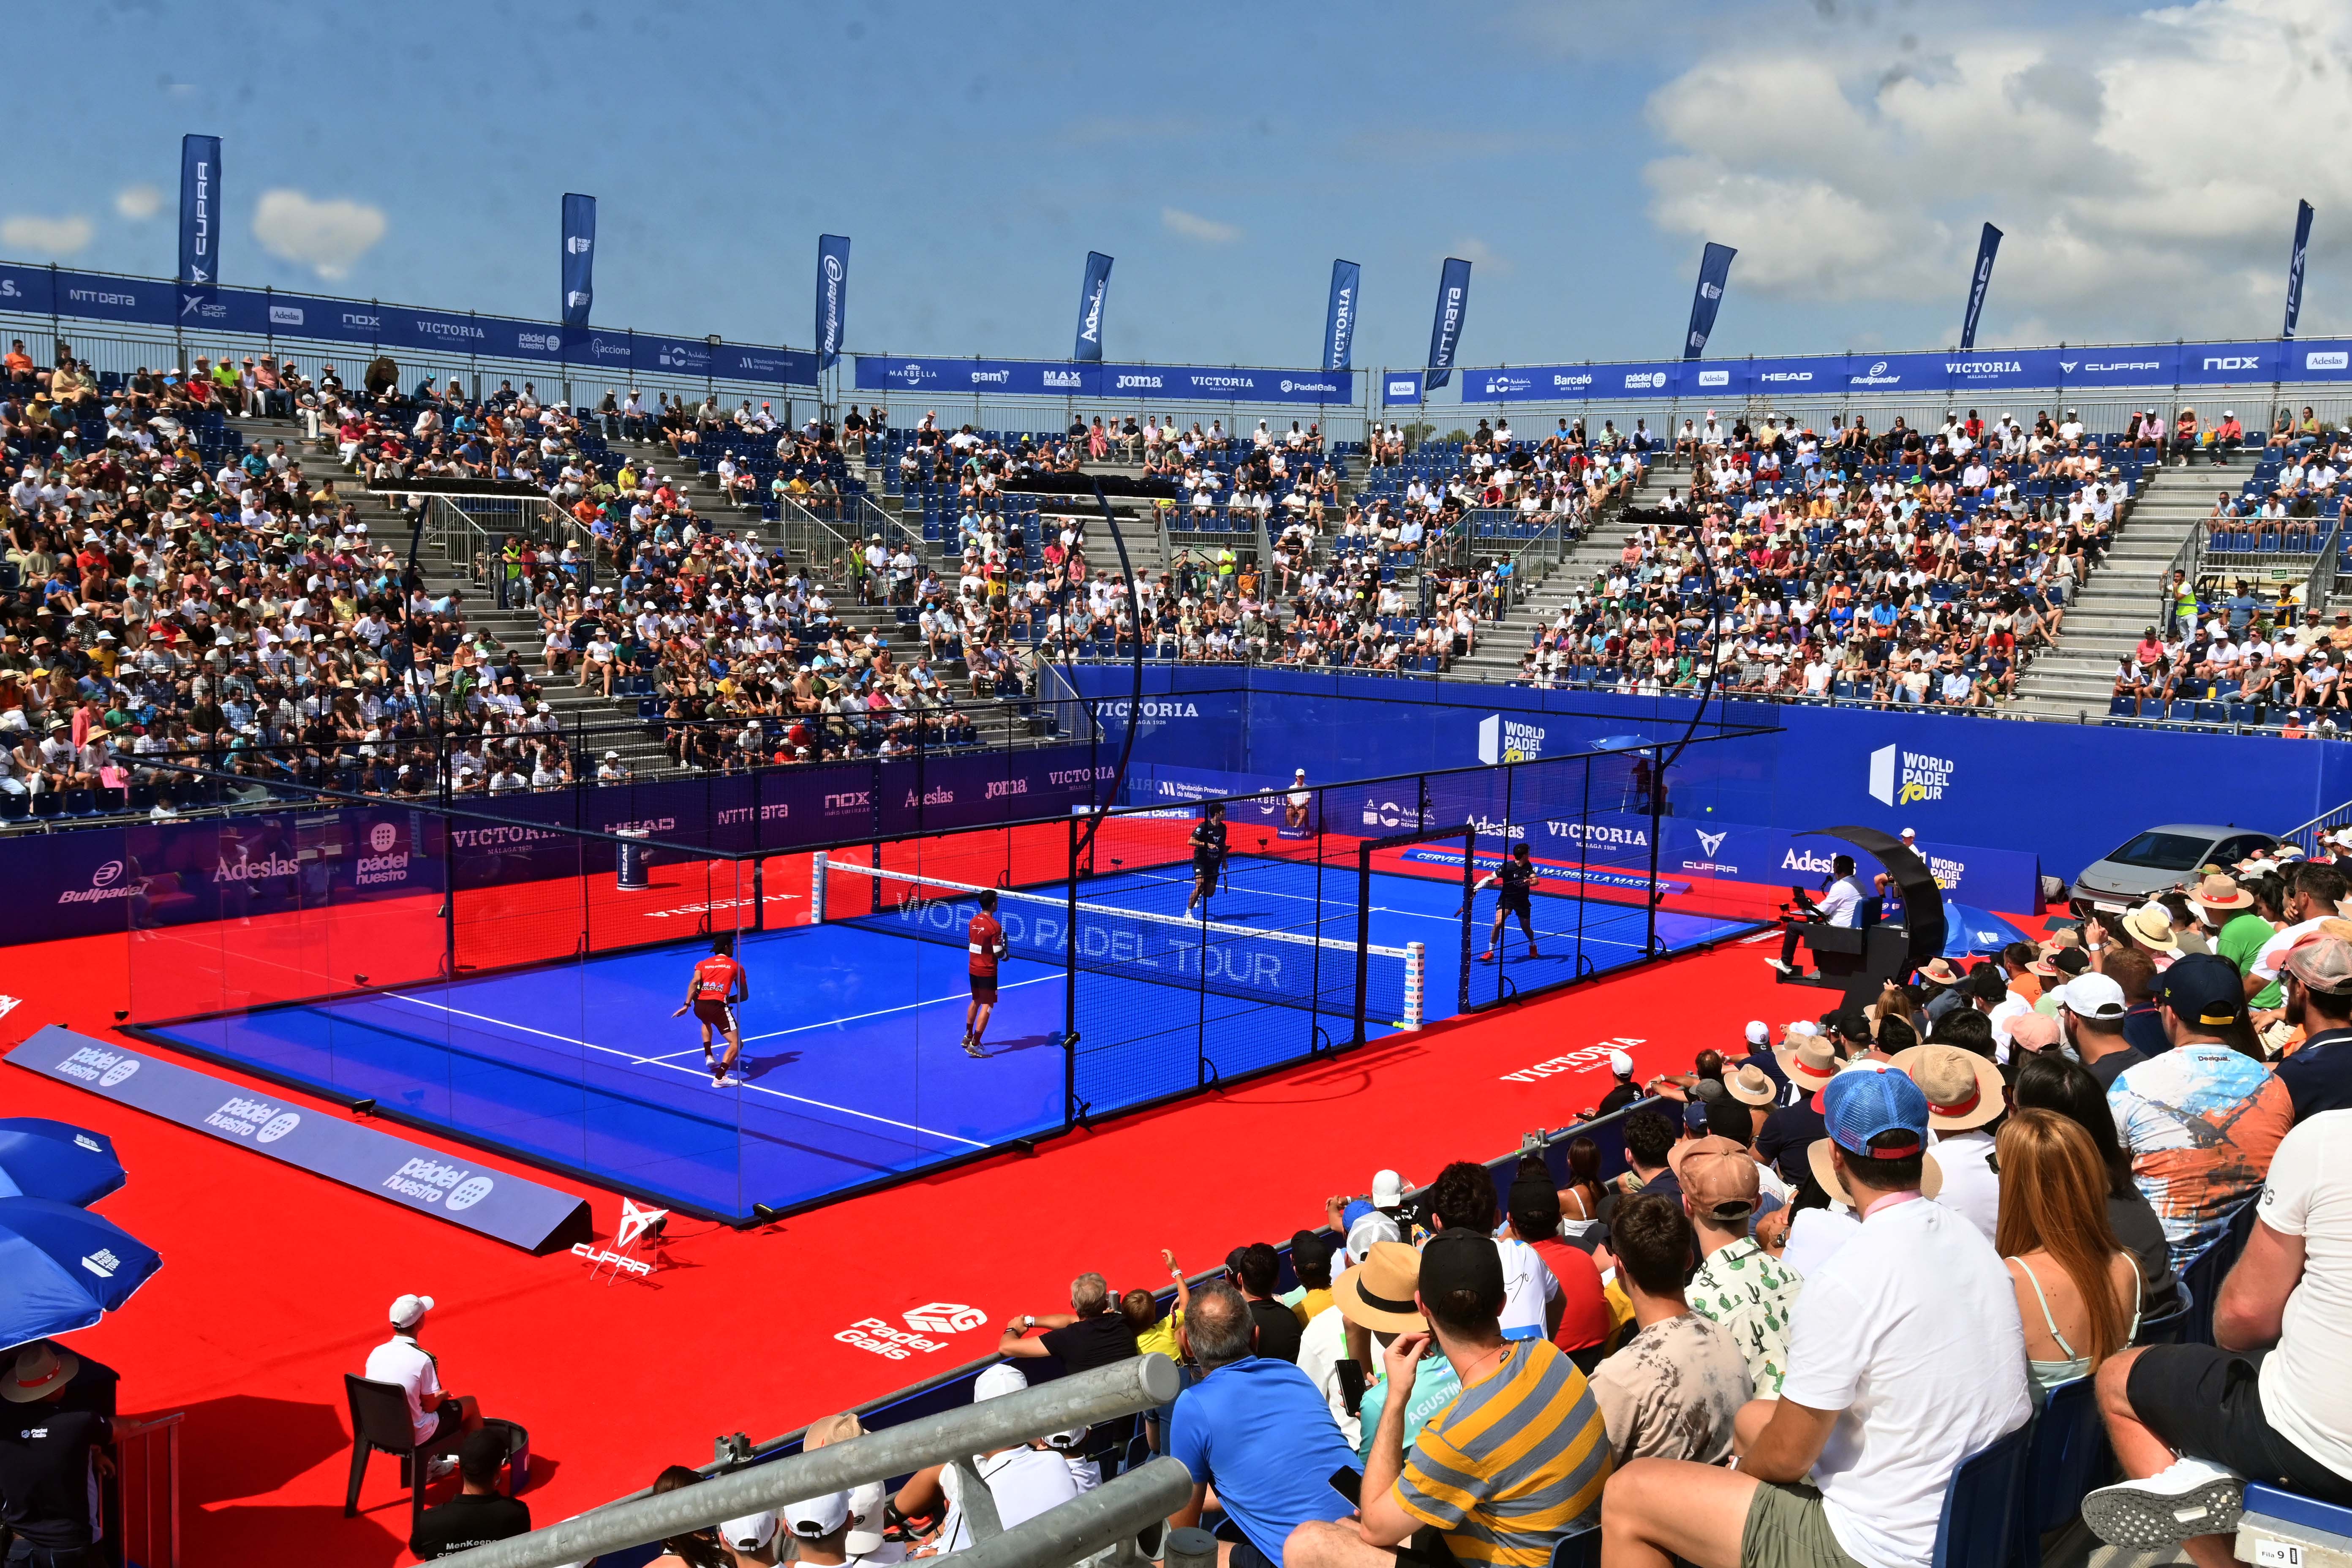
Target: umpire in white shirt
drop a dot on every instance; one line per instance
(437, 1419)
(1841, 906)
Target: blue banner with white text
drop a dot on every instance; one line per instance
(1445, 327)
(199, 226)
(1092, 297)
(1987, 247)
(832, 296)
(1714, 274)
(1047, 378)
(578, 270)
(2303, 212)
(1339, 317)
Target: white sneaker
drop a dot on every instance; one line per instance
(441, 1465)
(1782, 964)
(2189, 1497)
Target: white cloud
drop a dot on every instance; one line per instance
(138, 202)
(1193, 226)
(1480, 254)
(27, 234)
(2141, 168)
(326, 237)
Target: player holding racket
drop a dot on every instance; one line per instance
(1516, 877)
(1208, 840)
(985, 938)
(717, 984)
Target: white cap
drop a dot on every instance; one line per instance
(1388, 1189)
(408, 1312)
(818, 1517)
(1908, 835)
(1000, 1379)
(1621, 1064)
(2091, 995)
(1803, 1027)
(749, 1533)
(1369, 1231)
(866, 1519)
(1759, 1032)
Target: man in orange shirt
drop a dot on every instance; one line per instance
(986, 939)
(717, 984)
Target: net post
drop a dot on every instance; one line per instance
(1416, 969)
(1363, 933)
(1073, 1110)
(816, 889)
(1469, 913)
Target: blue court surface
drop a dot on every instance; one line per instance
(852, 1067)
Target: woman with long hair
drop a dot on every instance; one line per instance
(1580, 1198)
(2078, 1293)
(2049, 1081)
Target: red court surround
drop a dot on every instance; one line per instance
(274, 1283)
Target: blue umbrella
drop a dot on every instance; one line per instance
(1622, 742)
(1968, 930)
(62, 1268)
(43, 1159)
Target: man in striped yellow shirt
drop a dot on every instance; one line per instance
(1513, 1464)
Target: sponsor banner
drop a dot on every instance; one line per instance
(1400, 387)
(1557, 877)
(832, 296)
(1020, 378)
(1714, 274)
(2230, 364)
(1043, 378)
(2303, 212)
(26, 289)
(1651, 378)
(2319, 359)
(100, 298)
(453, 1188)
(408, 327)
(1340, 319)
(1169, 787)
(1092, 297)
(1775, 856)
(783, 367)
(200, 222)
(579, 269)
(1446, 325)
(1979, 280)
(2150, 364)
(669, 356)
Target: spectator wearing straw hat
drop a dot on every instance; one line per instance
(1738, 1285)
(1673, 1388)
(2233, 930)
(1750, 1086)
(2199, 1120)
(1965, 1097)
(1905, 1355)
(2317, 975)
(50, 1460)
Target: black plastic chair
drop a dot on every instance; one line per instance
(380, 1422)
(2170, 1329)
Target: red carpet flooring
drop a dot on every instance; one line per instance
(274, 1283)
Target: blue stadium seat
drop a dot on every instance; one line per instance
(1981, 1506)
(2068, 1457)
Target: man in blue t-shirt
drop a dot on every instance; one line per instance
(1257, 1430)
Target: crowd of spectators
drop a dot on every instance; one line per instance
(1838, 1263)
(1902, 566)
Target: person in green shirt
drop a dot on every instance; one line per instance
(2235, 930)
(1377, 1296)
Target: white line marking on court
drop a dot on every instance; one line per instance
(884, 1012)
(635, 1060)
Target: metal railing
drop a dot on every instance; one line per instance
(2305, 835)
(150, 1490)
(1119, 1509)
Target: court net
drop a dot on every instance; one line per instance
(1250, 964)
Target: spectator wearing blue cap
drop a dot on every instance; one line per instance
(2201, 1119)
(1905, 1355)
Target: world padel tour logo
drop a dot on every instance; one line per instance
(1898, 777)
(1502, 740)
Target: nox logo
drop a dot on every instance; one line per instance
(944, 1318)
(2232, 362)
(847, 800)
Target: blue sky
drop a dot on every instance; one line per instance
(1578, 155)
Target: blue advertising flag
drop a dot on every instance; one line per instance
(1977, 280)
(1339, 320)
(2294, 265)
(832, 296)
(200, 173)
(1090, 308)
(579, 259)
(1714, 272)
(1446, 330)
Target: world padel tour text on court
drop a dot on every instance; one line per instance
(1118, 947)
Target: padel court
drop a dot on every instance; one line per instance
(853, 1072)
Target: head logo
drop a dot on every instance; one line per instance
(383, 837)
(469, 1192)
(102, 1263)
(278, 1126)
(1709, 843)
(105, 876)
(944, 1318)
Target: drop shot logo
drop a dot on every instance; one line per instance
(1898, 777)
